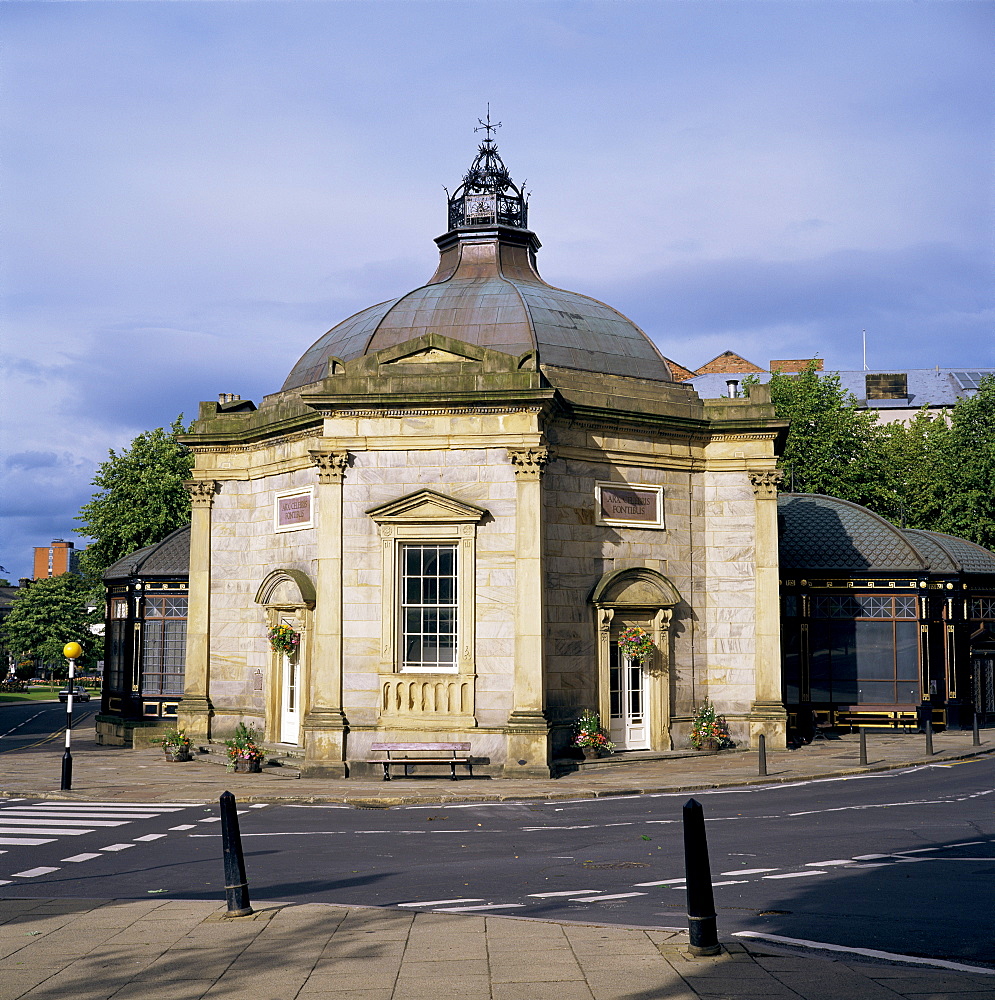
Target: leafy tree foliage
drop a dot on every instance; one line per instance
(833, 447)
(47, 615)
(937, 473)
(140, 498)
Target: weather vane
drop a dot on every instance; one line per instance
(486, 125)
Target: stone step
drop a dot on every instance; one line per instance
(217, 753)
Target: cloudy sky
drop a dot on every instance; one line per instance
(193, 192)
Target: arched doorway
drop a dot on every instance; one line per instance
(634, 696)
(288, 598)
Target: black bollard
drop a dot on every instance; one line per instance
(67, 756)
(863, 748)
(236, 884)
(701, 906)
(929, 737)
(976, 733)
(762, 755)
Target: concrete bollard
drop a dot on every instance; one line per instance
(762, 754)
(236, 884)
(701, 905)
(929, 737)
(863, 748)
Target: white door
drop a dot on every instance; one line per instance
(629, 725)
(290, 707)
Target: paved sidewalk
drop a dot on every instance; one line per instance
(119, 774)
(186, 950)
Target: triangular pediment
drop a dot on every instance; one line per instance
(427, 505)
(428, 356)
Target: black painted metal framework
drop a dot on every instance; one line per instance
(487, 196)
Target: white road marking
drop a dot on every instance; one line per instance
(34, 872)
(486, 906)
(259, 805)
(575, 892)
(666, 881)
(442, 902)
(41, 823)
(150, 836)
(144, 806)
(966, 843)
(735, 881)
(866, 952)
(586, 826)
(870, 857)
(599, 899)
(619, 824)
(751, 871)
(914, 850)
(828, 864)
(185, 826)
(210, 819)
(83, 857)
(4, 881)
(60, 832)
(795, 874)
(24, 723)
(7, 815)
(117, 847)
(24, 841)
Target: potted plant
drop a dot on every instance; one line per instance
(708, 730)
(283, 639)
(244, 754)
(176, 745)
(590, 737)
(636, 643)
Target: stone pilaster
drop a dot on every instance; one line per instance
(767, 714)
(325, 722)
(195, 710)
(528, 729)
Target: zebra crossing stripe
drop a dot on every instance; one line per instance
(24, 841)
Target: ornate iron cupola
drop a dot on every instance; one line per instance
(487, 196)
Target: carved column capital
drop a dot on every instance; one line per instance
(605, 616)
(529, 463)
(765, 483)
(331, 465)
(202, 491)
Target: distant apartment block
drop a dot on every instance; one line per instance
(55, 559)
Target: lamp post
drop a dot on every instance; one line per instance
(72, 651)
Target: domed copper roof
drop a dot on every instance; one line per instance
(488, 292)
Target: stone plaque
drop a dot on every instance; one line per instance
(634, 505)
(293, 510)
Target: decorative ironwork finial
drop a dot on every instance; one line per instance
(487, 195)
(486, 126)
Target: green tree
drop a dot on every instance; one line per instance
(833, 446)
(47, 615)
(915, 464)
(140, 499)
(968, 463)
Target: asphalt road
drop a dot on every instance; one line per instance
(898, 861)
(39, 725)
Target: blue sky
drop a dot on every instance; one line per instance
(193, 192)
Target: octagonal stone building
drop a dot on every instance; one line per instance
(457, 500)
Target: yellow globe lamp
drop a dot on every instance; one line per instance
(72, 650)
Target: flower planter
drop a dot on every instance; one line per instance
(592, 753)
(243, 766)
(709, 746)
(178, 758)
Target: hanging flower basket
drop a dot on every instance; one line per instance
(283, 639)
(636, 643)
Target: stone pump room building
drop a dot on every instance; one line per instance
(457, 501)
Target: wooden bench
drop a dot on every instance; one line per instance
(880, 716)
(457, 755)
